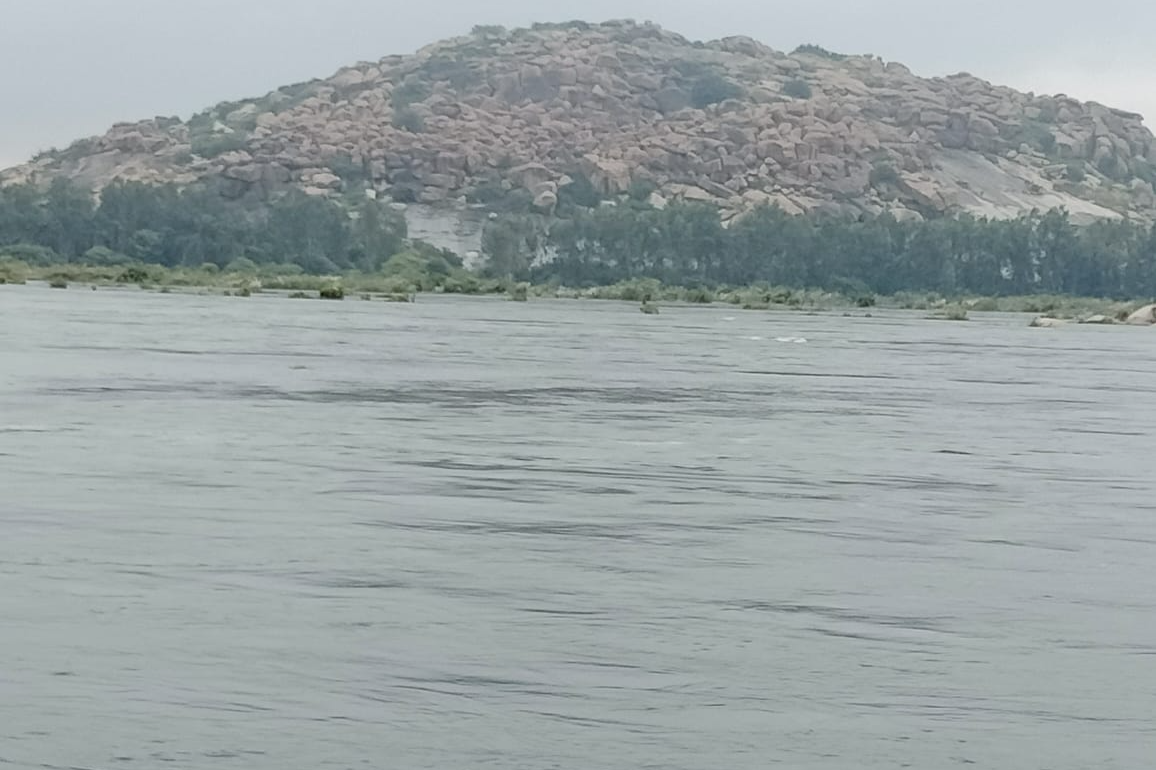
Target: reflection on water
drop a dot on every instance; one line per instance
(464, 533)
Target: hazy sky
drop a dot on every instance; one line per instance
(70, 68)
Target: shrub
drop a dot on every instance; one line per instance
(580, 192)
(413, 90)
(105, 257)
(520, 292)
(13, 272)
(1037, 136)
(488, 30)
(133, 274)
(713, 88)
(798, 89)
(1145, 170)
(58, 283)
(883, 175)
(1111, 167)
(332, 291)
(39, 256)
(640, 189)
(351, 172)
(408, 119)
(639, 290)
(212, 145)
(698, 296)
(954, 312)
(820, 51)
(298, 295)
(241, 265)
(486, 192)
(461, 282)
(1075, 172)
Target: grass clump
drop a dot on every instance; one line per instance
(985, 305)
(333, 291)
(13, 272)
(698, 296)
(953, 312)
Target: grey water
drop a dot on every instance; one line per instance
(271, 534)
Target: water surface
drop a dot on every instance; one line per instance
(269, 534)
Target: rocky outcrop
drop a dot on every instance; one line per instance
(626, 106)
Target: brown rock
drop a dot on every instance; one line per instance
(613, 101)
(609, 177)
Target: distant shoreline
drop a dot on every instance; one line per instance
(356, 286)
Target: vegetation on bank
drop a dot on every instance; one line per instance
(648, 292)
(688, 245)
(164, 237)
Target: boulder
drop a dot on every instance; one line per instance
(1045, 322)
(609, 177)
(1145, 316)
(325, 180)
(249, 174)
(546, 201)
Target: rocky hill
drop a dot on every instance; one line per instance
(579, 112)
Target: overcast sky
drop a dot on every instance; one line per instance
(70, 68)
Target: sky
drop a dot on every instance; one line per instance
(72, 68)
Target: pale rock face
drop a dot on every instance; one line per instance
(546, 201)
(1145, 316)
(615, 102)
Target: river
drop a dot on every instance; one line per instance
(271, 534)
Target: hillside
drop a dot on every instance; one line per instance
(577, 113)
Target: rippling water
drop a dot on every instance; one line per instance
(271, 534)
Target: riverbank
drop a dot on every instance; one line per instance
(206, 280)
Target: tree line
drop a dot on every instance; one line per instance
(682, 244)
(194, 226)
(687, 244)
